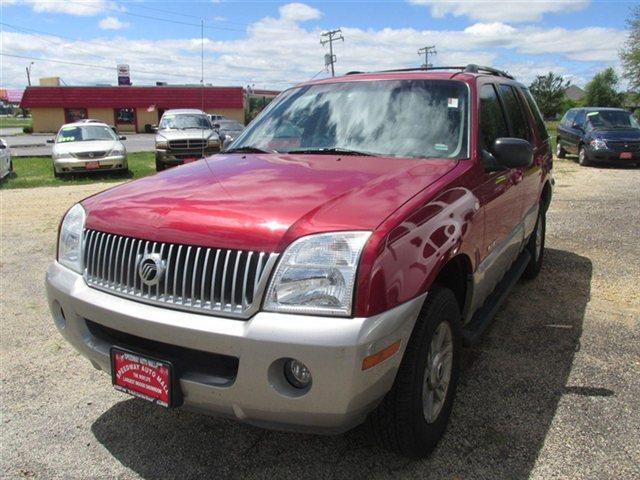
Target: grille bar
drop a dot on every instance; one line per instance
(187, 144)
(202, 279)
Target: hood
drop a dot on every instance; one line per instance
(261, 201)
(88, 146)
(191, 133)
(632, 134)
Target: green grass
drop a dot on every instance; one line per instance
(31, 172)
(8, 122)
(552, 128)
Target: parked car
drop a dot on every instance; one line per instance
(599, 135)
(6, 164)
(88, 146)
(229, 130)
(314, 283)
(215, 118)
(183, 136)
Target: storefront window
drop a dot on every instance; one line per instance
(75, 114)
(125, 115)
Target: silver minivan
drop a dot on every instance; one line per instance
(87, 147)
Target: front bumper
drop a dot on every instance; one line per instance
(72, 164)
(341, 394)
(178, 157)
(610, 156)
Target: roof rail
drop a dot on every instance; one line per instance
(471, 68)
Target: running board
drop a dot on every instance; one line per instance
(472, 332)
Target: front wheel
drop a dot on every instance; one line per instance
(583, 160)
(535, 246)
(414, 414)
(160, 166)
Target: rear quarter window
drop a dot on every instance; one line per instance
(513, 107)
(537, 116)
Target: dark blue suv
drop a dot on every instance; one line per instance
(599, 135)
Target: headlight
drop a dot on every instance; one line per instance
(228, 138)
(161, 142)
(58, 156)
(316, 274)
(213, 141)
(598, 144)
(70, 240)
(116, 151)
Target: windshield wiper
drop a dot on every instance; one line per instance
(333, 151)
(248, 149)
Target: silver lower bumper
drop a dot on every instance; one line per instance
(341, 393)
(76, 164)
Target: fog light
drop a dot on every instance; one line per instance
(297, 373)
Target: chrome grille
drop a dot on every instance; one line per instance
(624, 146)
(188, 144)
(202, 279)
(90, 154)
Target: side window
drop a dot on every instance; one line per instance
(580, 118)
(514, 112)
(492, 122)
(537, 116)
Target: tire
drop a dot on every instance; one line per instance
(560, 152)
(160, 166)
(56, 174)
(535, 246)
(400, 423)
(583, 160)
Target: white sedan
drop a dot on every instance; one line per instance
(6, 165)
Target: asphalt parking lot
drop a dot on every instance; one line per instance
(550, 392)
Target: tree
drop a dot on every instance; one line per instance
(548, 91)
(602, 90)
(630, 53)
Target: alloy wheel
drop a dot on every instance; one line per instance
(437, 374)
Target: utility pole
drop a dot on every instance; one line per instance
(426, 51)
(331, 36)
(28, 69)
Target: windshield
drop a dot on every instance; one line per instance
(85, 133)
(399, 118)
(184, 121)
(605, 119)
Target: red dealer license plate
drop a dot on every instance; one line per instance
(189, 160)
(626, 155)
(141, 376)
(92, 165)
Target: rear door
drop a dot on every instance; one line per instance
(572, 134)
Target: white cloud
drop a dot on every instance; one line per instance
(500, 11)
(278, 52)
(112, 23)
(298, 12)
(84, 8)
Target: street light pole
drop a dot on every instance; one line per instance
(28, 69)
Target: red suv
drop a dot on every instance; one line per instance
(325, 269)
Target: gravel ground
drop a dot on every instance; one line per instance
(550, 392)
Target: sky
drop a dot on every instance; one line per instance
(269, 44)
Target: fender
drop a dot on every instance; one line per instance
(412, 254)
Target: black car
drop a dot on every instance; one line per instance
(599, 135)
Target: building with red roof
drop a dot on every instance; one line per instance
(130, 108)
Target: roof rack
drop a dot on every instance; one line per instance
(471, 68)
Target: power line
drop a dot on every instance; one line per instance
(426, 51)
(331, 35)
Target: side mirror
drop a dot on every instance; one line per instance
(50, 140)
(216, 126)
(122, 137)
(577, 126)
(513, 152)
(154, 128)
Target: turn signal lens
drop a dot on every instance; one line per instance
(381, 356)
